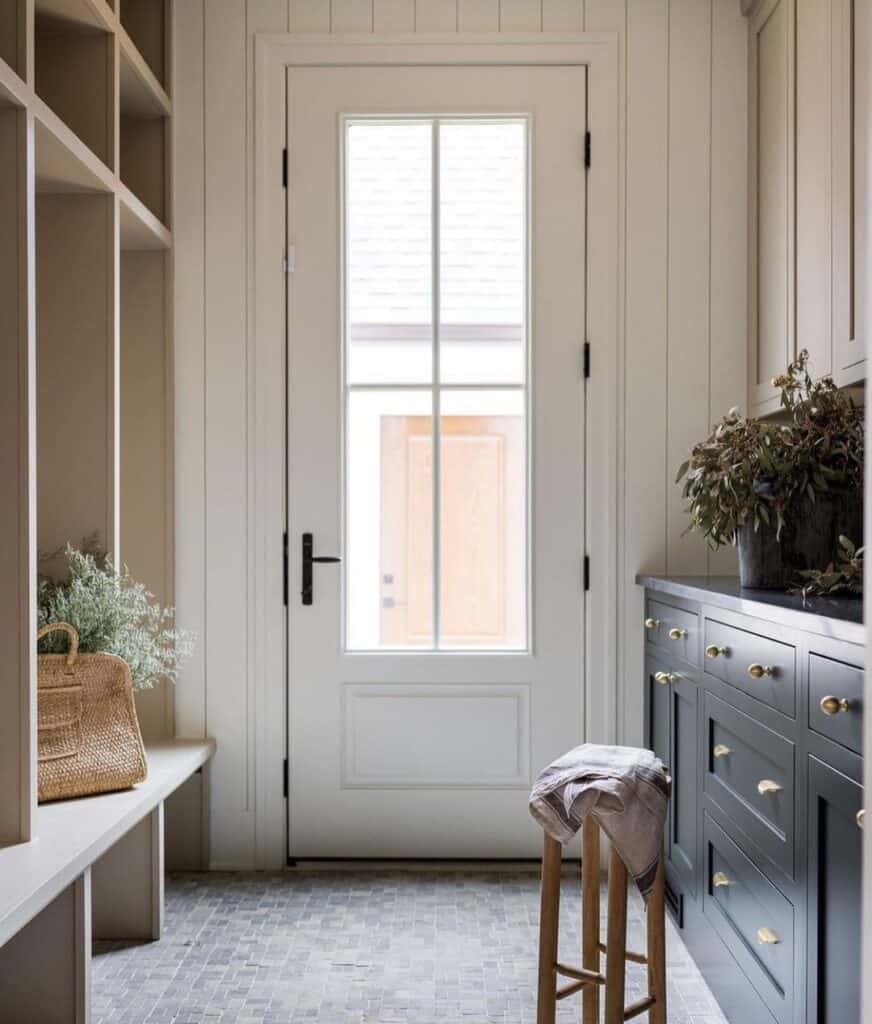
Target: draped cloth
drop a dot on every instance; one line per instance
(626, 789)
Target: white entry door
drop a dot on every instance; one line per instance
(436, 311)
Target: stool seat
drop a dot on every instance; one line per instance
(583, 788)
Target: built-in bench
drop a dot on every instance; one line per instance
(95, 870)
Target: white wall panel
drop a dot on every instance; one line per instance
(728, 368)
(520, 15)
(310, 15)
(562, 15)
(229, 700)
(645, 477)
(351, 16)
(393, 16)
(436, 15)
(689, 260)
(478, 15)
(682, 112)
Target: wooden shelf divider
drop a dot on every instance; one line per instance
(84, 120)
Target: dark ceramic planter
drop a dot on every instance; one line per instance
(809, 540)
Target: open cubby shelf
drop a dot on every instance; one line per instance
(145, 22)
(85, 233)
(74, 69)
(12, 35)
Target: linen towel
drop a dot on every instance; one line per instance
(626, 789)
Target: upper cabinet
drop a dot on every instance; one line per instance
(809, 125)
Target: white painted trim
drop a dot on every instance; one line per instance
(273, 55)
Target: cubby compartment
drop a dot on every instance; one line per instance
(145, 22)
(143, 161)
(145, 443)
(13, 36)
(77, 370)
(75, 74)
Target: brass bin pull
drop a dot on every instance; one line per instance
(721, 750)
(677, 634)
(833, 705)
(861, 817)
(765, 786)
(719, 880)
(664, 678)
(713, 651)
(767, 937)
(757, 671)
(652, 623)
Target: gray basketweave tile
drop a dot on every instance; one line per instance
(364, 947)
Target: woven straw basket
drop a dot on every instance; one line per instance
(89, 738)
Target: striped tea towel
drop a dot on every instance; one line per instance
(627, 791)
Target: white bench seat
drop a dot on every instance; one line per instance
(94, 859)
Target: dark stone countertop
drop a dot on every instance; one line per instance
(840, 617)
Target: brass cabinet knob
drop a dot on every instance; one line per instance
(664, 678)
(677, 634)
(719, 879)
(757, 671)
(765, 786)
(833, 705)
(652, 623)
(721, 750)
(767, 937)
(713, 651)
(861, 817)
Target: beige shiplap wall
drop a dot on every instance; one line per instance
(682, 115)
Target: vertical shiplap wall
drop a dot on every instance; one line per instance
(682, 115)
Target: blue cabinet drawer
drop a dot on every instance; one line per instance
(835, 700)
(758, 665)
(750, 774)
(752, 917)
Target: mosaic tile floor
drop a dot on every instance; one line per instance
(339, 947)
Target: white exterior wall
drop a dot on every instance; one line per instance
(682, 333)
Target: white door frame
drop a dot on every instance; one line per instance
(274, 54)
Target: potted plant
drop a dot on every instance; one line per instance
(113, 614)
(783, 491)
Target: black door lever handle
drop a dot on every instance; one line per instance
(308, 559)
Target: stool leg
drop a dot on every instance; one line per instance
(616, 940)
(590, 916)
(657, 948)
(549, 918)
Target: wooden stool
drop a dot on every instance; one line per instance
(588, 978)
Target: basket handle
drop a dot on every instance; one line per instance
(71, 632)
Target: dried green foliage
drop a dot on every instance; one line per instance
(843, 575)
(113, 614)
(749, 471)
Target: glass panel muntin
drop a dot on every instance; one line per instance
(404, 373)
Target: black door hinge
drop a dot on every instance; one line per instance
(285, 778)
(586, 359)
(284, 168)
(587, 149)
(285, 568)
(587, 572)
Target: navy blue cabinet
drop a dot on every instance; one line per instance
(835, 864)
(755, 701)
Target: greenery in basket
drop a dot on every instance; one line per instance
(113, 614)
(749, 471)
(843, 575)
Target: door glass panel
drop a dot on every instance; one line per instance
(389, 530)
(482, 251)
(389, 300)
(483, 504)
(436, 474)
